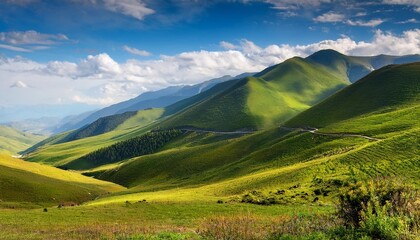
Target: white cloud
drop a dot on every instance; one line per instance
(133, 8)
(329, 17)
(387, 43)
(402, 2)
(14, 48)
(411, 20)
(98, 79)
(370, 23)
(295, 4)
(61, 68)
(414, 3)
(19, 84)
(136, 51)
(31, 37)
(227, 45)
(99, 64)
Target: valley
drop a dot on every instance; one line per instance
(255, 155)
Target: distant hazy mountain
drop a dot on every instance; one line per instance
(13, 140)
(155, 99)
(43, 126)
(356, 67)
(23, 112)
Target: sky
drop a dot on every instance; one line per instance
(60, 57)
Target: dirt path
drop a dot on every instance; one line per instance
(310, 130)
(315, 131)
(216, 132)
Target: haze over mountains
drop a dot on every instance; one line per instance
(156, 99)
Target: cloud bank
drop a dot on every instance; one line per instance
(27, 41)
(100, 80)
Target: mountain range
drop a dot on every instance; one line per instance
(302, 126)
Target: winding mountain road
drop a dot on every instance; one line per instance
(216, 132)
(310, 130)
(315, 131)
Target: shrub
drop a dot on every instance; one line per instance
(383, 208)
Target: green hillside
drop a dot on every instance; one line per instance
(53, 153)
(137, 146)
(15, 141)
(387, 98)
(22, 181)
(273, 97)
(100, 126)
(278, 94)
(279, 158)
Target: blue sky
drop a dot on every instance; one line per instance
(98, 52)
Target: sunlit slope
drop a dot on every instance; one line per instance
(22, 181)
(274, 96)
(280, 158)
(14, 141)
(191, 165)
(386, 100)
(298, 159)
(100, 126)
(62, 153)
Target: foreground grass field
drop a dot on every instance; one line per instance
(137, 220)
(281, 183)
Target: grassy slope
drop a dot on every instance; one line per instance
(59, 154)
(22, 181)
(206, 166)
(278, 93)
(100, 126)
(290, 162)
(14, 141)
(226, 159)
(277, 159)
(386, 90)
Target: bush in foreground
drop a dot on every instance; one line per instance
(382, 209)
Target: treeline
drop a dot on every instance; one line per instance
(137, 146)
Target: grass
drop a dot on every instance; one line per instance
(134, 220)
(278, 94)
(100, 126)
(392, 87)
(22, 181)
(55, 154)
(182, 183)
(15, 141)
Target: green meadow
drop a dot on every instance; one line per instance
(280, 181)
